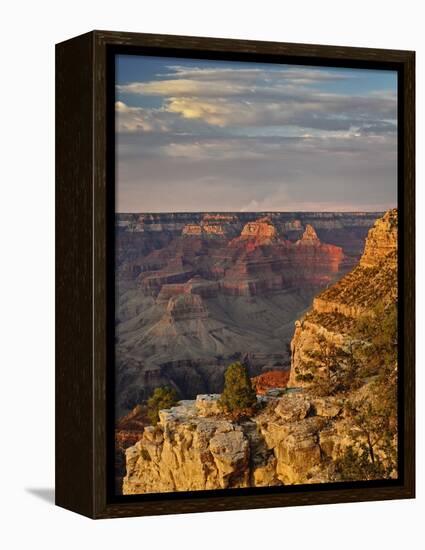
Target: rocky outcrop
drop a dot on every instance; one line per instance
(309, 237)
(192, 229)
(196, 285)
(296, 438)
(381, 241)
(217, 230)
(293, 440)
(186, 306)
(266, 262)
(128, 431)
(212, 225)
(187, 452)
(336, 310)
(261, 231)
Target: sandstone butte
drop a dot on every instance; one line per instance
(294, 438)
(260, 229)
(309, 236)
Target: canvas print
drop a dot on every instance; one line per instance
(255, 275)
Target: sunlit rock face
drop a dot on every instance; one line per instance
(262, 230)
(292, 440)
(309, 237)
(271, 380)
(334, 311)
(265, 261)
(381, 241)
(188, 451)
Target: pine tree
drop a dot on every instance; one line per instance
(162, 398)
(238, 396)
(330, 369)
(374, 417)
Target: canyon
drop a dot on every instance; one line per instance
(299, 434)
(196, 291)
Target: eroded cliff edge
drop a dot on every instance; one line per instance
(336, 422)
(336, 312)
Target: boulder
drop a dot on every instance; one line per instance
(207, 404)
(293, 407)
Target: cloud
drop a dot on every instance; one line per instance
(376, 128)
(179, 87)
(222, 149)
(258, 97)
(322, 111)
(255, 138)
(249, 173)
(216, 113)
(219, 82)
(137, 119)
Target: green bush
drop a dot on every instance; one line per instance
(162, 398)
(238, 396)
(356, 466)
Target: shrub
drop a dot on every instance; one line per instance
(162, 398)
(355, 465)
(238, 396)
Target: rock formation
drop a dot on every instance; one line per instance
(309, 237)
(264, 261)
(262, 231)
(270, 380)
(336, 309)
(186, 451)
(381, 240)
(128, 431)
(293, 440)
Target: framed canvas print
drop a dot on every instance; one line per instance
(235, 274)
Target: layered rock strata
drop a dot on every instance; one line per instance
(336, 310)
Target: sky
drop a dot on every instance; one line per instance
(202, 135)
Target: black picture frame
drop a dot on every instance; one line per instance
(85, 286)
